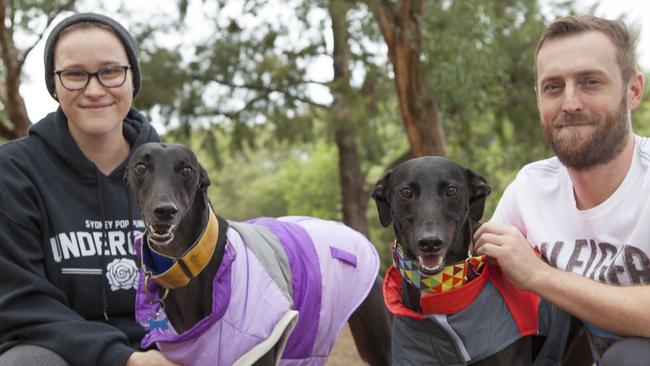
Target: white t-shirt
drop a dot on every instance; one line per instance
(609, 243)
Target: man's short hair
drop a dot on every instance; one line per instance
(616, 30)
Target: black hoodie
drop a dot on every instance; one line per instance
(58, 289)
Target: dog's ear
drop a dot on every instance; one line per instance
(380, 195)
(204, 179)
(479, 189)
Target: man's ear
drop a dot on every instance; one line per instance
(479, 189)
(204, 179)
(380, 195)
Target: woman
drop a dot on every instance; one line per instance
(67, 222)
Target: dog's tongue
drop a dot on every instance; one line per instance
(431, 262)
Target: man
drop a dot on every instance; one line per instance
(586, 210)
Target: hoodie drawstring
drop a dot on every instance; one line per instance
(104, 243)
(131, 219)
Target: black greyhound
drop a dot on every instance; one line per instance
(435, 206)
(170, 187)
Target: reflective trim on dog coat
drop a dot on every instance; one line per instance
(250, 307)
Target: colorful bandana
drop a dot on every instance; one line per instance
(451, 277)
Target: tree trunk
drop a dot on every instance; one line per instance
(17, 121)
(355, 202)
(399, 25)
(14, 105)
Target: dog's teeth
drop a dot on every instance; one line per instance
(431, 262)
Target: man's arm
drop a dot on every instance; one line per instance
(622, 310)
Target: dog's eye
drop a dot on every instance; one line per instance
(187, 171)
(451, 191)
(406, 192)
(140, 168)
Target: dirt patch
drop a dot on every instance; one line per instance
(344, 352)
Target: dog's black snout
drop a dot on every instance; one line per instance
(430, 244)
(165, 211)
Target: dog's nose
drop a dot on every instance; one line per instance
(430, 244)
(165, 211)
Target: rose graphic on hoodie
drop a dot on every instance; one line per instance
(122, 273)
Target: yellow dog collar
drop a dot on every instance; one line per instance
(192, 262)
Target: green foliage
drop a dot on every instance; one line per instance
(29, 17)
(299, 179)
(244, 99)
(310, 182)
(162, 80)
(480, 59)
(279, 179)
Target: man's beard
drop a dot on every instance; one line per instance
(584, 151)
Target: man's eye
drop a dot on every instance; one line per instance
(551, 87)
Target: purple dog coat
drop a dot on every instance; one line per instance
(332, 269)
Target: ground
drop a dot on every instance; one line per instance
(344, 352)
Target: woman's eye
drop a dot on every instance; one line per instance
(140, 168)
(451, 191)
(187, 172)
(406, 192)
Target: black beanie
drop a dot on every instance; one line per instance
(122, 34)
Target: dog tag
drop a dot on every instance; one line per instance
(157, 323)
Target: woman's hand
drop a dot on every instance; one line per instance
(149, 358)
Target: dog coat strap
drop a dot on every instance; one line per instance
(269, 252)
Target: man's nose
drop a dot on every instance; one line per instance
(571, 102)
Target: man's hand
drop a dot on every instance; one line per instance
(149, 358)
(514, 254)
(622, 310)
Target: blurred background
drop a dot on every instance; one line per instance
(297, 107)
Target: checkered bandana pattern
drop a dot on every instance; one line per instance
(451, 277)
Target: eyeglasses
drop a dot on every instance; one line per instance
(109, 77)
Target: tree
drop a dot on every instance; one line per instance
(257, 78)
(354, 198)
(29, 18)
(400, 25)
(475, 57)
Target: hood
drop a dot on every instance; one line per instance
(53, 130)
